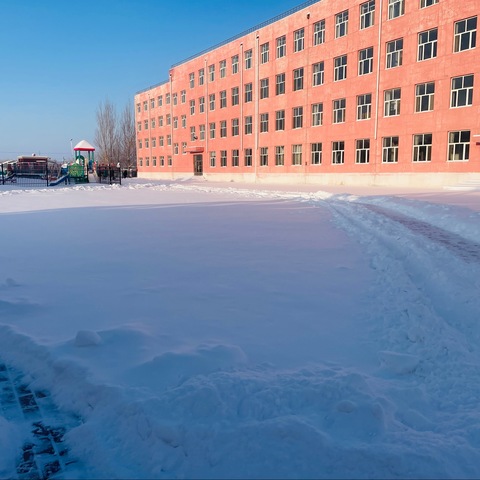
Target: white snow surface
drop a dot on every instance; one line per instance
(241, 331)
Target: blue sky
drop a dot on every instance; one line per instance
(59, 59)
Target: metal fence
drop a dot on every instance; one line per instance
(29, 173)
(109, 174)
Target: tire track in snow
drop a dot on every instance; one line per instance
(463, 248)
(424, 303)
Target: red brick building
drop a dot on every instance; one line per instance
(369, 92)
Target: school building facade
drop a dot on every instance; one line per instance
(383, 92)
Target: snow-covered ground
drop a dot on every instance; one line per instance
(203, 330)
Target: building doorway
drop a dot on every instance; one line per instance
(198, 164)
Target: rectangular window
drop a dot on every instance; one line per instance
(424, 93)
(139, 108)
(191, 77)
(395, 53)
(145, 124)
(427, 3)
(280, 84)
(201, 76)
(168, 119)
(175, 122)
(152, 103)
(298, 79)
(223, 68)
(339, 107)
(147, 161)
(281, 46)
(264, 88)
(264, 156)
(280, 156)
(183, 96)
(154, 161)
(318, 74)
(223, 128)
(264, 52)
(462, 91)
(263, 122)
(175, 99)
(248, 157)
(392, 99)
(340, 68)
(161, 140)
(234, 64)
(422, 147)
(175, 148)
(465, 34)
(235, 127)
(201, 104)
(364, 106)
(297, 120)
(235, 96)
(367, 14)
(223, 99)
(319, 32)
(139, 126)
(146, 143)
(299, 40)
(390, 149)
(235, 158)
(162, 161)
(341, 24)
(169, 160)
(211, 101)
(223, 158)
(192, 107)
(316, 153)
(153, 123)
(248, 125)
(160, 121)
(317, 114)
(396, 8)
(248, 59)
(140, 144)
(193, 136)
(201, 130)
(145, 105)
(365, 61)
(248, 92)
(280, 120)
(296, 154)
(338, 152)
(169, 140)
(211, 73)
(213, 159)
(427, 44)
(362, 150)
(459, 145)
(160, 100)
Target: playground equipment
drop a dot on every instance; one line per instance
(84, 162)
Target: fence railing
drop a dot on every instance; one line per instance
(29, 173)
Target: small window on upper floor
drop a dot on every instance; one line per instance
(396, 8)
(341, 24)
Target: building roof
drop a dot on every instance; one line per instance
(84, 145)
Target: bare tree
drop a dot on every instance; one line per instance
(106, 134)
(127, 137)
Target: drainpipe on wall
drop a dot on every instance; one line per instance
(257, 99)
(206, 104)
(377, 86)
(307, 115)
(171, 124)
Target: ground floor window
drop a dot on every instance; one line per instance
(235, 158)
(296, 154)
(248, 157)
(422, 147)
(280, 156)
(338, 152)
(263, 156)
(459, 145)
(390, 150)
(316, 149)
(362, 151)
(223, 158)
(213, 159)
